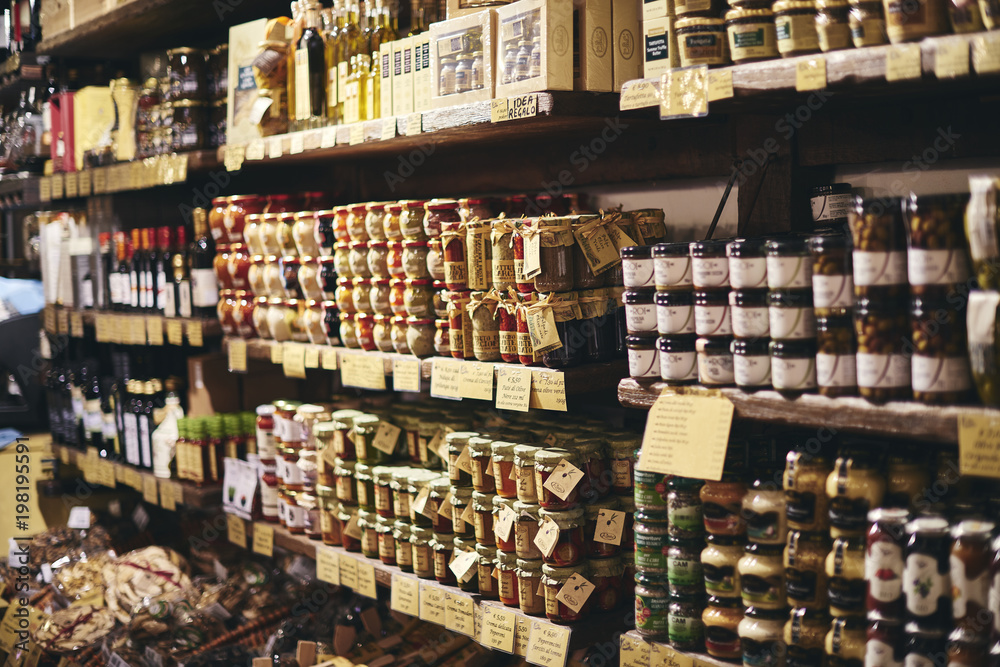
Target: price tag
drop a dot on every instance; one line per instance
(357, 134)
(298, 143)
(513, 388)
(293, 360)
(168, 495)
(464, 463)
(72, 186)
(100, 178)
(236, 530)
(313, 139)
(575, 592)
(432, 603)
(609, 526)
(386, 437)
(687, 435)
(58, 186)
(194, 334)
(902, 62)
(522, 632)
(366, 580)
(720, 84)
(328, 359)
(277, 352)
(388, 128)
(175, 332)
(446, 378)
(505, 522)
(327, 565)
(414, 124)
(311, 357)
(498, 110)
(662, 655)
(263, 539)
(547, 644)
(150, 490)
(564, 479)
(547, 537)
(548, 390)
(274, 147)
(951, 58)
(532, 255)
(362, 370)
(352, 529)
(154, 331)
(234, 157)
(83, 183)
(62, 321)
(476, 380)
(986, 53)
(328, 137)
(684, 92)
(76, 325)
(137, 330)
(349, 572)
(465, 566)
(406, 375)
(498, 629)
(810, 74)
(256, 150)
(420, 502)
(106, 473)
(405, 596)
(134, 480)
(79, 518)
(979, 445)
(237, 353)
(638, 94)
(634, 652)
(45, 189)
(153, 657)
(459, 613)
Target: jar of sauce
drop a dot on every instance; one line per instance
(622, 449)
(461, 498)
(525, 530)
(709, 265)
(845, 569)
(884, 546)
(506, 566)
(529, 576)
(764, 509)
(854, 487)
(488, 584)
(651, 491)
(524, 472)
(715, 361)
(762, 577)
(749, 313)
(804, 635)
(747, 265)
(555, 241)
(554, 579)
(569, 548)
(722, 618)
(606, 575)
(806, 503)
(443, 547)
(342, 260)
(344, 482)
(504, 543)
(350, 535)
(457, 444)
(422, 552)
(382, 476)
(762, 636)
(805, 569)
(790, 314)
(386, 542)
(482, 506)
(845, 642)
(926, 572)
(502, 461)
(652, 536)
(722, 506)
(711, 313)
(480, 453)
(718, 562)
(672, 267)
(652, 604)
(907, 479)
(365, 486)
(546, 461)
(971, 558)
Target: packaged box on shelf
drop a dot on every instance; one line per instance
(245, 106)
(592, 44)
(385, 72)
(626, 31)
(657, 9)
(402, 77)
(423, 74)
(93, 120)
(535, 47)
(458, 8)
(462, 59)
(57, 16)
(660, 46)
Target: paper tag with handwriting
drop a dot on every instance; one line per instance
(513, 388)
(366, 580)
(420, 502)
(327, 565)
(639, 94)
(405, 597)
(547, 537)
(386, 437)
(263, 539)
(951, 58)
(446, 378)
(634, 652)
(609, 526)
(720, 84)
(328, 359)
(548, 390)
(505, 522)
(432, 603)
(362, 370)
(293, 360)
(236, 530)
(902, 62)
(446, 509)
(986, 53)
(465, 566)
(476, 380)
(575, 592)
(349, 572)
(810, 74)
(388, 128)
(548, 644)
(979, 445)
(406, 375)
(687, 435)
(564, 479)
(662, 655)
(237, 354)
(459, 613)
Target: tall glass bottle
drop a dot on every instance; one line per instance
(330, 33)
(148, 258)
(204, 287)
(144, 411)
(179, 305)
(77, 382)
(295, 29)
(109, 428)
(93, 424)
(135, 271)
(130, 422)
(418, 18)
(350, 46)
(161, 267)
(310, 70)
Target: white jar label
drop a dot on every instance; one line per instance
(923, 585)
(965, 590)
(672, 272)
(710, 271)
(752, 371)
(716, 369)
(750, 322)
(675, 319)
(880, 654)
(712, 321)
(883, 370)
(937, 374)
(981, 320)
(640, 318)
(830, 207)
(793, 373)
(789, 272)
(836, 370)
(747, 272)
(637, 272)
(936, 267)
(644, 363)
(833, 291)
(879, 268)
(790, 323)
(884, 571)
(678, 366)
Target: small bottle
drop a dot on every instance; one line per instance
(476, 71)
(463, 76)
(509, 63)
(535, 59)
(447, 77)
(522, 66)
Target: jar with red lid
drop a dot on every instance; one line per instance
(443, 546)
(442, 339)
(482, 507)
(342, 260)
(440, 214)
(502, 460)
(240, 206)
(460, 326)
(243, 307)
(435, 259)
(251, 234)
(224, 311)
(220, 264)
(522, 283)
(357, 258)
(361, 295)
(569, 549)
(269, 234)
(394, 259)
(595, 547)
(281, 203)
(286, 242)
(238, 266)
(398, 331)
(304, 233)
(411, 219)
(397, 303)
(377, 259)
(290, 277)
(379, 296)
(606, 575)
(323, 234)
(546, 461)
(363, 330)
(506, 543)
(507, 578)
(529, 576)
(456, 268)
(374, 216)
(216, 220)
(348, 332)
(327, 275)
(349, 536)
(525, 529)
(525, 350)
(554, 579)
(390, 222)
(356, 229)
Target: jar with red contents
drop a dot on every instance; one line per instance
(216, 219)
(482, 507)
(328, 277)
(456, 268)
(440, 214)
(443, 546)
(546, 461)
(291, 475)
(325, 238)
(404, 551)
(394, 259)
(386, 543)
(506, 564)
(238, 266)
(524, 472)
(364, 325)
(885, 547)
(356, 222)
(488, 585)
(525, 529)
(290, 277)
(529, 576)
(480, 451)
(501, 505)
(606, 575)
(460, 326)
(596, 548)
(461, 498)
(239, 207)
(441, 524)
(390, 222)
(224, 311)
(502, 459)
(243, 307)
(269, 493)
(594, 464)
(340, 224)
(220, 264)
(554, 579)
(397, 291)
(722, 506)
(569, 549)
(525, 350)
(506, 314)
(411, 219)
(282, 203)
(349, 536)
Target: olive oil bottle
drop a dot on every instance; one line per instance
(310, 71)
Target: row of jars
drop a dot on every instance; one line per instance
(761, 30)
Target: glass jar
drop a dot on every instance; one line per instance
(525, 529)
(836, 364)
(867, 23)
(805, 569)
(401, 535)
(751, 364)
(674, 313)
(420, 336)
(502, 461)
(643, 358)
(390, 222)
(926, 578)
(722, 618)
(806, 501)
(885, 642)
(378, 296)
(506, 566)
(286, 242)
(764, 510)
(529, 576)
(882, 333)
(845, 571)
(569, 548)
(357, 257)
(793, 366)
(456, 268)
(414, 258)
(762, 577)
(715, 361)
(485, 328)
(524, 472)
(652, 605)
(684, 570)
(374, 217)
(382, 478)
(711, 313)
(762, 636)
(709, 265)
(555, 241)
(394, 259)
(671, 267)
(718, 562)
(638, 269)
(479, 449)
(369, 537)
(546, 461)
(290, 277)
(936, 258)
(594, 547)
(344, 482)
(907, 23)
(832, 26)
(678, 361)
(854, 487)
(350, 537)
(365, 487)
(442, 342)
(364, 331)
(652, 534)
(418, 298)
(421, 554)
(832, 279)
(749, 313)
(879, 255)
(411, 219)
(377, 259)
(795, 25)
(435, 259)
(554, 579)
(684, 508)
(356, 229)
(303, 234)
(505, 543)
(606, 575)
(342, 260)
(386, 542)
(940, 362)
(752, 35)
(489, 586)
(650, 490)
(845, 642)
(442, 548)
(702, 41)
(323, 232)
(461, 498)
(789, 266)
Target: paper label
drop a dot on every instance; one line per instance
(405, 597)
(661, 655)
(175, 332)
(634, 652)
(548, 390)
(432, 603)
(327, 565)
(386, 437)
(513, 387)
(951, 58)
(547, 644)
(263, 539)
(446, 378)
(79, 518)
(687, 435)
(366, 580)
(532, 255)
(293, 360)
(236, 530)
(459, 614)
(684, 92)
(522, 632)
(979, 445)
(357, 134)
(362, 370)
(542, 329)
(476, 380)
(195, 334)
(349, 572)
(547, 536)
(610, 524)
(564, 479)
(465, 565)
(311, 357)
(598, 249)
(498, 629)
(810, 74)
(575, 592)
(720, 84)
(639, 94)
(328, 359)
(150, 491)
(902, 62)
(406, 375)
(986, 53)
(505, 523)
(169, 495)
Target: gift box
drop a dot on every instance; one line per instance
(462, 59)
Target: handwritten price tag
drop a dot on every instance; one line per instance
(386, 437)
(505, 522)
(263, 539)
(327, 565)
(547, 644)
(513, 388)
(432, 603)
(236, 530)
(459, 614)
(406, 375)
(405, 596)
(564, 479)
(498, 629)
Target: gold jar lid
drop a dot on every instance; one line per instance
(744, 13)
(187, 103)
(792, 5)
(831, 4)
(698, 21)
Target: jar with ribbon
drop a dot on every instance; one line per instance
(506, 316)
(549, 241)
(479, 254)
(481, 311)
(595, 251)
(525, 345)
(551, 321)
(456, 267)
(502, 254)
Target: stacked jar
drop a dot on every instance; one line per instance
(236, 301)
(833, 299)
(309, 417)
(712, 315)
(289, 441)
(790, 313)
(748, 303)
(672, 358)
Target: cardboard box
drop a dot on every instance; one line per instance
(459, 8)
(462, 42)
(593, 57)
(241, 120)
(660, 47)
(627, 46)
(385, 72)
(57, 16)
(93, 118)
(88, 10)
(423, 75)
(657, 9)
(402, 77)
(211, 387)
(545, 26)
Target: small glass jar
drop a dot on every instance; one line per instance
(342, 260)
(879, 255)
(546, 461)
(652, 604)
(418, 298)
(361, 295)
(485, 328)
(672, 267)
(502, 460)
(747, 264)
(555, 254)
(386, 541)
(529, 576)
(749, 313)
(762, 636)
(554, 579)
(652, 534)
(940, 362)
(457, 443)
(643, 358)
(622, 448)
(420, 336)
(414, 259)
(793, 366)
(506, 543)
(488, 585)
(907, 23)
(377, 259)
(422, 552)
(678, 359)
(674, 313)
(469, 583)
(506, 565)
(752, 35)
(805, 569)
(806, 502)
(936, 258)
(435, 259)
(454, 265)
(480, 453)
(718, 562)
(369, 538)
(357, 257)
(845, 571)
(762, 577)
(711, 313)
(702, 41)
(482, 506)
(304, 235)
(751, 364)
(832, 26)
(685, 628)
(344, 482)
(596, 548)
(569, 549)
(356, 229)
(845, 641)
(795, 25)
(804, 635)
(606, 575)
(525, 529)
(715, 361)
(709, 265)
(638, 267)
(650, 490)
(443, 547)
(442, 338)
(722, 506)
(722, 618)
(789, 266)
(684, 509)
(684, 571)
(791, 315)
(365, 487)
(382, 479)
(461, 498)
(836, 365)
(883, 367)
(524, 472)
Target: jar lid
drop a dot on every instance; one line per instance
(482, 499)
(401, 473)
(310, 409)
(708, 247)
(713, 346)
(792, 5)
(394, 207)
(670, 250)
(891, 515)
(341, 464)
(378, 244)
(459, 438)
(652, 580)
(382, 474)
(748, 298)
(500, 500)
(399, 320)
(266, 410)
(765, 550)
(637, 252)
(401, 527)
(711, 297)
(287, 406)
(529, 565)
(500, 447)
(649, 516)
(838, 319)
(793, 349)
(324, 491)
(789, 244)
(724, 603)
(413, 203)
(531, 509)
(698, 21)
(928, 524)
(302, 215)
(416, 282)
(821, 243)
(480, 445)
(675, 344)
(440, 484)
(640, 342)
(366, 420)
(563, 573)
(790, 298)
(291, 260)
(764, 614)
(463, 493)
(442, 204)
(507, 559)
(186, 104)
(416, 321)
(357, 207)
(526, 453)
(326, 214)
(558, 516)
(421, 533)
(554, 456)
(752, 247)
(724, 540)
(737, 13)
(674, 298)
(355, 245)
(486, 551)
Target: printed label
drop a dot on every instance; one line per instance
(752, 371)
(678, 366)
(204, 288)
(672, 272)
(747, 273)
(800, 585)
(712, 321)
(880, 654)
(836, 370)
(789, 272)
(923, 585)
(965, 590)
(675, 320)
(936, 267)
(750, 322)
(883, 370)
(710, 272)
(644, 363)
(638, 272)
(640, 318)
(716, 369)
(935, 374)
(792, 323)
(879, 268)
(721, 580)
(833, 291)
(793, 373)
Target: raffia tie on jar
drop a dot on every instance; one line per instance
(506, 316)
(502, 268)
(649, 225)
(485, 328)
(542, 317)
(547, 254)
(598, 245)
(479, 253)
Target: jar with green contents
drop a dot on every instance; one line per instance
(365, 487)
(652, 605)
(461, 498)
(365, 427)
(832, 25)
(369, 538)
(422, 553)
(752, 35)
(685, 627)
(650, 491)
(404, 550)
(457, 442)
(795, 27)
(702, 41)
(651, 541)
(684, 568)
(684, 508)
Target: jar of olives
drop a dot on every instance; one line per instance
(879, 255)
(883, 342)
(832, 273)
(936, 258)
(836, 363)
(940, 362)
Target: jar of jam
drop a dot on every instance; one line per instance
(502, 472)
(718, 562)
(323, 232)
(622, 454)
(382, 476)
(715, 361)
(480, 452)
(555, 241)
(524, 472)
(344, 482)
(269, 493)
(606, 575)
(671, 267)
(845, 642)
(505, 543)
(684, 569)
(709, 265)
(365, 486)
(457, 444)
(303, 234)
(790, 314)
(394, 259)
(806, 502)
(569, 548)
(722, 618)
(390, 222)
(885, 642)
(350, 533)
(885, 543)
(845, 570)
(529, 576)
(443, 546)
(971, 558)
(747, 265)
(762, 636)
(386, 542)
(461, 498)
(597, 548)
(554, 579)
(805, 569)
(482, 506)
(401, 545)
(926, 572)
(329, 509)
(525, 530)
(762, 576)
(369, 535)
(286, 242)
(652, 604)
(546, 461)
(637, 267)
(506, 567)
(712, 316)
(751, 363)
(488, 584)
(422, 552)
(854, 487)
(356, 222)
(722, 505)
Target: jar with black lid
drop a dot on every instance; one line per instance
(795, 25)
(834, 33)
(715, 361)
(709, 264)
(885, 645)
(749, 313)
(722, 617)
(883, 337)
(805, 569)
(186, 71)
(637, 267)
(643, 358)
(747, 264)
(793, 366)
(678, 359)
(190, 124)
(788, 264)
(762, 636)
(671, 266)
(791, 315)
(805, 633)
(685, 628)
(854, 486)
(940, 362)
(701, 40)
(751, 363)
(752, 36)
(836, 361)
(924, 645)
(674, 313)
(711, 313)
(640, 312)
(879, 256)
(966, 649)
(832, 277)
(845, 571)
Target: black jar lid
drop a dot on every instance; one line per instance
(708, 247)
(711, 297)
(674, 298)
(640, 342)
(750, 347)
(752, 247)
(820, 243)
(832, 189)
(793, 349)
(748, 298)
(637, 252)
(790, 298)
(675, 343)
(879, 305)
(789, 244)
(834, 319)
(670, 250)
(634, 297)
(714, 346)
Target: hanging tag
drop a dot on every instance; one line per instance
(352, 529)
(420, 502)
(547, 537)
(532, 255)
(465, 565)
(386, 437)
(446, 509)
(468, 514)
(542, 329)
(505, 523)
(575, 592)
(563, 479)
(609, 526)
(598, 249)
(464, 461)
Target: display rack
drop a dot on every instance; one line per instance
(131, 328)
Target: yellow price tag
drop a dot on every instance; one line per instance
(236, 530)
(263, 539)
(194, 334)
(168, 496)
(810, 74)
(237, 351)
(175, 332)
(327, 565)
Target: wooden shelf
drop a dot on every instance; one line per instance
(899, 419)
(210, 327)
(184, 493)
(700, 659)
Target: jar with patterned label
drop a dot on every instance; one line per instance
(762, 577)
(927, 586)
(845, 570)
(718, 562)
(722, 618)
(804, 480)
(652, 604)
(762, 636)
(805, 569)
(884, 547)
(722, 506)
(854, 487)
(684, 508)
